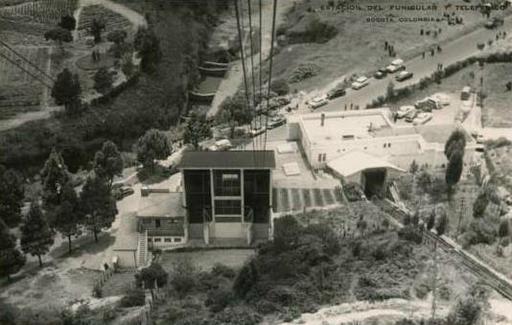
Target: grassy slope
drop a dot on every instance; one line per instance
(359, 45)
(155, 101)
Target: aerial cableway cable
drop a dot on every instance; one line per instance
(240, 37)
(25, 70)
(18, 55)
(254, 113)
(271, 55)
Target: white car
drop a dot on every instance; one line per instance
(422, 118)
(317, 102)
(404, 110)
(256, 132)
(395, 66)
(360, 83)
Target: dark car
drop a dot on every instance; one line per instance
(122, 192)
(338, 92)
(381, 73)
(276, 121)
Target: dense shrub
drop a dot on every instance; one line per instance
(224, 271)
(218, 299)
(304, 71)
(150, 275)
(311, 30)
(280, 87)
(237, 316)
(183, 277)
(133, 298)
(410, 233)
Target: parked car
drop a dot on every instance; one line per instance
(317, 102)
(381, 73)
(360, 83)
(257, 131)
(336, 92)
(404, 75)
(409, 117)
(494, 23)
(276, 121)
(404, 110)
(395, 66)
(422, 118)
(428, 104)
(221, 145)
(120, 193)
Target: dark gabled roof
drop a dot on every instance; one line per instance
(228, 159)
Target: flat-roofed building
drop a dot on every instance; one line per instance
(228, 194)
(334, 140)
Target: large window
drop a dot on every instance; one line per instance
(227, 182)
(257, 194)
(228, 207)
(197, 188)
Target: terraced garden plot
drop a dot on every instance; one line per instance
(111, 19)
(42, 11)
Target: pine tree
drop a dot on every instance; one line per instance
(11, 259)
(108, 162)
(196, 130)
(152, 145)
(11, 196)
(53, 176)
(36, 234)
(66, 91)
(97, 206)
(66, 215)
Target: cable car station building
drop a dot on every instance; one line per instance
(227, 195)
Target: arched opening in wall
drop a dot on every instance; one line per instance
(374, 181)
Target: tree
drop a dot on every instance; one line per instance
(234, 110)
(66, 91)
(152, 145)
(67, 22)
(441, 220)
(424, 181)
(148, 47)
(97, 206)
(414, 167)
(197, 129)
(151, 275)
(470, 308)
(36, 234)
(431, 221)
(280, 87)
(108, 162)
(103, 80)
(66, 216)
(504, 228)
(11, 259)
(59, 35)
(117, 36)
(455, 143)
(53, 177)
(11, 196)
(96, 29)
(454, 170)
(480, 205)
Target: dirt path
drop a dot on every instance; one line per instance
(393, 309)
(233, 78)
(134, 17)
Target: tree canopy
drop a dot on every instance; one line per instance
(59, 35)
(454, 152)
(97, 206)
(67, 22)
(117, 36)
(53, 177)
(148, 47)
(108, 162)
(103, 80)
(11, 259)
(152, 145)
(197, 129)
(235, 111)
(36, 234)
(96, 29)
(11, 196)
(66, 216)
(67, 90)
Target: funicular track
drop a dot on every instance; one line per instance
(482, 271)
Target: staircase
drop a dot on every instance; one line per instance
(142, 249)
